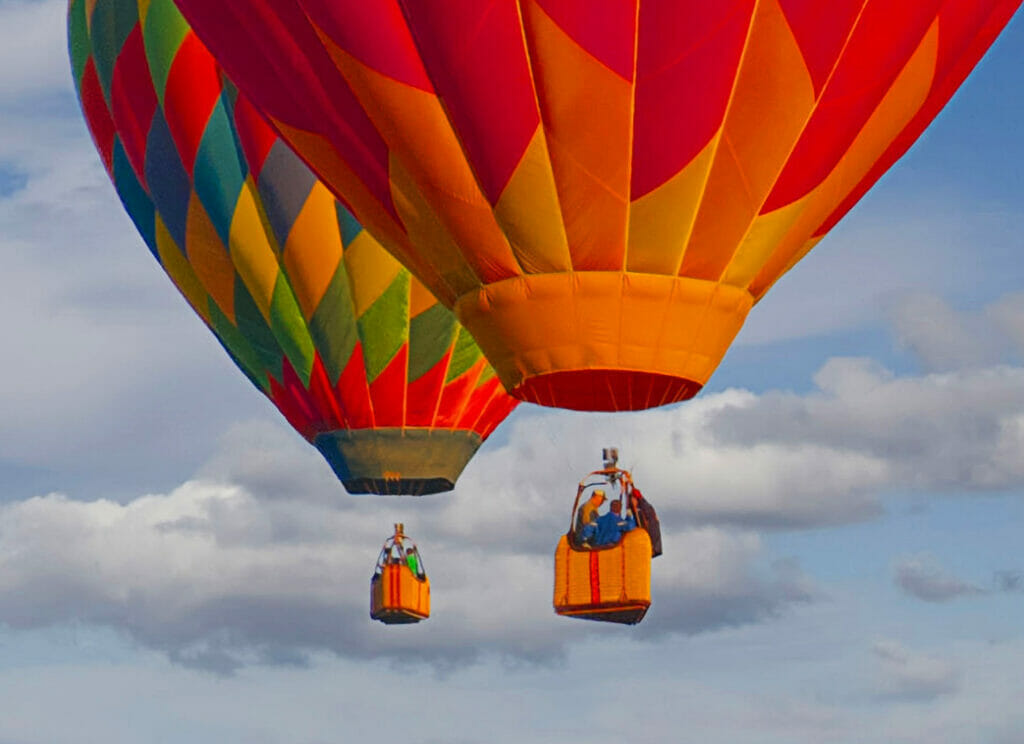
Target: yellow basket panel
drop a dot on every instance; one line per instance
(623, 575)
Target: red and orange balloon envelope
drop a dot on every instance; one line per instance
(600, 190)
(359, 357)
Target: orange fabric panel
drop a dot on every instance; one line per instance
(397, 590)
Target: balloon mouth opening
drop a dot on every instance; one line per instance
(605, 389)
(398, 486)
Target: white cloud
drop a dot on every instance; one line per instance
(913, 676)
(921, 576)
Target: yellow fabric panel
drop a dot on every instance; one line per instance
(420, 298)
(903, 100)
(143, 11)
(251, 252)
(433, 157)
(604, 320)
(372, 270)
(561, 572)
(624, 572)
(181, 273)
(771, 104)
(636, 548)
(611, 564)
(528, 211)
(429, 237)
(587, 111)
(660, 221)
(209, 257)
(767, 234)
(313, 249)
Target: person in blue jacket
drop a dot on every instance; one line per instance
(611, 526)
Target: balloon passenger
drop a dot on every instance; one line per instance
(586, 519)
(611, 526)
(413, 559)
(648, 519)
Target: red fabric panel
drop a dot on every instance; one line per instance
(961, 45)
(688, 54)
(193, 87)
(476, 57)
(821, 30)
(388, 391)
(322, 396)
(375, 33)
(424, 394)
(479, 397)
(609, 35)
(886, 37)
(454, 397)
(595, 579)
(134, 101)
(498, 408)
(291, 398)
(353, 392)
(94, 106)
(273, 55)
(255, 135)
(605, 390)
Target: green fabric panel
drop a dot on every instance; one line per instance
(218, 176)
(290, 330)
(333, 325)
(431, 334)
(487, 373)
(112, 22)
(465, 355)
(163, 33)
(235, 344)
(384, 327)
(256, 331)
(78, 40)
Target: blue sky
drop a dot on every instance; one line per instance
(842, 504)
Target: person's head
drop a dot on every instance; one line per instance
(616, 506)
(598, 497)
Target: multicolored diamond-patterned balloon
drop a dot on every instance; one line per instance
(359, 357)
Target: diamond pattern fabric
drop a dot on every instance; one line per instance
(359, 357)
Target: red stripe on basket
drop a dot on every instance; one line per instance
(595, 579)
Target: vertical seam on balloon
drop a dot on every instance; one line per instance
(796, 140)
(465, 156)
(543, 128)
(408, 349)
(717, 139)
(632, 136)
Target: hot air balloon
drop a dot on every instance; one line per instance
(359, 357)
(600, 190)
